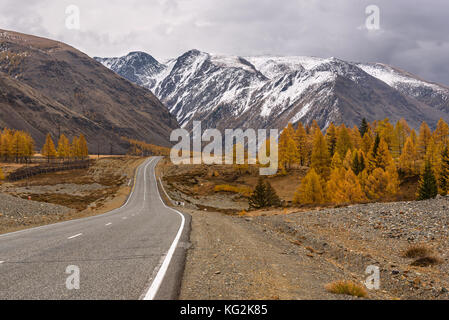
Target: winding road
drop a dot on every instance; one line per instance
(134, 252)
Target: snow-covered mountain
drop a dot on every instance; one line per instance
(269, 92)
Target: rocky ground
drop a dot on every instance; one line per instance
(293, 255)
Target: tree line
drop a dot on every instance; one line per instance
(65, 150)
(365, 163)
(18, 146)
(140, 148)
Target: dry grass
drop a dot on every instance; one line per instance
(417, 251)
(348, 288)
(244, 191)
(426, 261)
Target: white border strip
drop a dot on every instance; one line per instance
(163, 189)
(154, 288)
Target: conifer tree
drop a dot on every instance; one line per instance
(344, 141)
(444, 172)
(358, 162)
(264, 196)
(347, 162)
(302, 145)
(311, 190)
(331, 139)
(375, 184)
(393, 179)
(344, 187)
(400, 135)
(320, 155)
(356, 139)
(428, 188)
(408, 161)
(84, 151)
(287, 147)
(49, 151)
(336, 162)
(273, 199)
(258, 199)
(423, 140)
(63, 147)
(363, 127)
(441, 133)
(367, 142)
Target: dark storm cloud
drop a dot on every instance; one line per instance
(413, 36)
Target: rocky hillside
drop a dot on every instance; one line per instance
(47, 86)
(267, 92)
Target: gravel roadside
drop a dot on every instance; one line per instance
(272, 255)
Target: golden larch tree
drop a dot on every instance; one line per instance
(311, 190)
(49, 151)
(320, 161)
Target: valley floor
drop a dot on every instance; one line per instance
(55, 197)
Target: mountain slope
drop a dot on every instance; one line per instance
(269, 92)
(49, 86)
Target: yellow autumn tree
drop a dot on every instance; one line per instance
(400, 136)
(336, 162)
(380, 156)
(367, 142)
(83, 149)
(441, 133)
(2, 175)
(320, 161)
(393, 179)
(344, 141)
(63, 147)
(348, 160)
(287, 147)
(311, 190)
(48, 150)
(302, 147)
(423, 141)
(344, 187)
(375, 185)
(408, 161)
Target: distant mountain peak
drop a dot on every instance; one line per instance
(270, 91)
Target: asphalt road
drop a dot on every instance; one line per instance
(134, 252)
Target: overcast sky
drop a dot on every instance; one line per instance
(413, 34)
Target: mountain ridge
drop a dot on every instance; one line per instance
(51, 87)
(270, 91)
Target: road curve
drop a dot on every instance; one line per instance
(134, 252)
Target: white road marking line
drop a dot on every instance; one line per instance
(75, 236)
(154, 288)
(1, 262)
(108, 224)
(124, 218)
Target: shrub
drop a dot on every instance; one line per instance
(426, 261)
(348, 288)
(417, 251)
